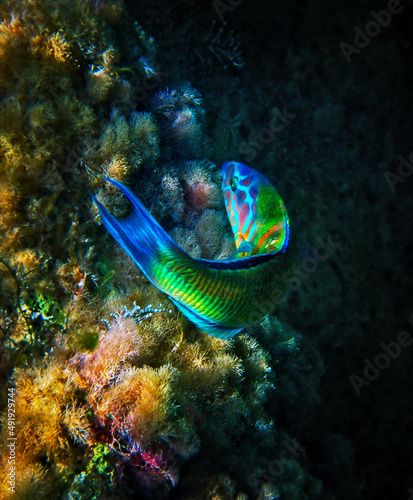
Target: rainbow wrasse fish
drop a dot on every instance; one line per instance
(220, 297)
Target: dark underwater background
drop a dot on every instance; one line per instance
(158, 95)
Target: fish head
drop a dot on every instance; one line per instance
(256, 212)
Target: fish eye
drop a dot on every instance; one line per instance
(233, 183)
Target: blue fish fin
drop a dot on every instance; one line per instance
(244, 250)
(204, 324)
(245, 246)
(286, 233)
(138, 234)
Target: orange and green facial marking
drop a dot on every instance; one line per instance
(220, 297)
(256, 211)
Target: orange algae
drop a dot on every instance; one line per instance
(149, 391)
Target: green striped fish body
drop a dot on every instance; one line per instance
(220, 297)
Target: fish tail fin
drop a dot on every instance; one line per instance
(138, 234)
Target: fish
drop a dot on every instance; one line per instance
(222, 297)
(256, 212)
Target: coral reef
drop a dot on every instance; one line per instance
(62, 67)
(179, 113)
(116, 398)
(113, 396)
(70, 115)
(149, 393)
